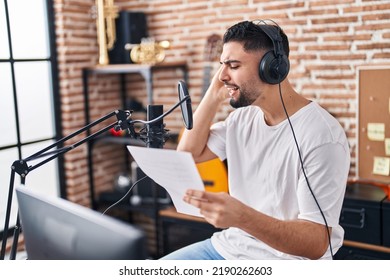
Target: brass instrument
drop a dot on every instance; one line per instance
(106, 32)
(148, 52)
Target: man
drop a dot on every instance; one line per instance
(275, 209)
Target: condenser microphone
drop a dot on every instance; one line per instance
(155, 131)
(185, 105)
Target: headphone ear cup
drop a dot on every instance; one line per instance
(273, 70)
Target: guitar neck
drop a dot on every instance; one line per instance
(213, 50)
(206, 78)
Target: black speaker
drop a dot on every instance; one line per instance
(131, 27)
(274, 65)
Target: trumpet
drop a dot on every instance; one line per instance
(107, 12)
(148, 52)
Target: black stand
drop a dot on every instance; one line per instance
(156, 139)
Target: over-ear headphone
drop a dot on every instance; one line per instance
(274, 65)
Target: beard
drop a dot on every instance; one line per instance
(245, 98)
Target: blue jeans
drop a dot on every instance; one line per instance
(202, 250)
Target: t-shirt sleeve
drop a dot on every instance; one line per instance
(217, 139)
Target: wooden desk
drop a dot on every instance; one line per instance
(170, 213)
(367, 246)
(353, 250)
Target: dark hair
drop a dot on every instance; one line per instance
(253, 37)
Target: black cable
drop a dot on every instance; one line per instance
(126, 194)
(304, 172)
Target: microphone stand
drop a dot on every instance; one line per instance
(23, 169)
(21, 166)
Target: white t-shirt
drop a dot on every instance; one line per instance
(265, 173)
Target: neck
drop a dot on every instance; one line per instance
(271, 103)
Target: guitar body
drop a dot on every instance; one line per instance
(214, 175)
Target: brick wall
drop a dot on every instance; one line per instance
(329, 39)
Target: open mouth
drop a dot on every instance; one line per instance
(233, 90)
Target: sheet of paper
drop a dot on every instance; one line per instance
(381, 166)
(376, 131)
(175, 171)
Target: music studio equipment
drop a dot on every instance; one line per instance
(105, 13)
(154, 136)
(186, 109)
(148, 51)
(131, 27)
(274, 65)
(53, 151)
(57, 229)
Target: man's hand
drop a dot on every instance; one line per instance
(217, 87)
(219, 209)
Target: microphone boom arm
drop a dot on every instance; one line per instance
(21, 167)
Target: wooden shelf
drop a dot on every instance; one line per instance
(133, 68)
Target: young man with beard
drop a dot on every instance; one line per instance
(288, 158)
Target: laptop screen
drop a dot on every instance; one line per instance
(57, 229)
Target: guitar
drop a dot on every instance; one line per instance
(213, 172)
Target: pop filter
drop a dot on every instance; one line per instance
(185, 105)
